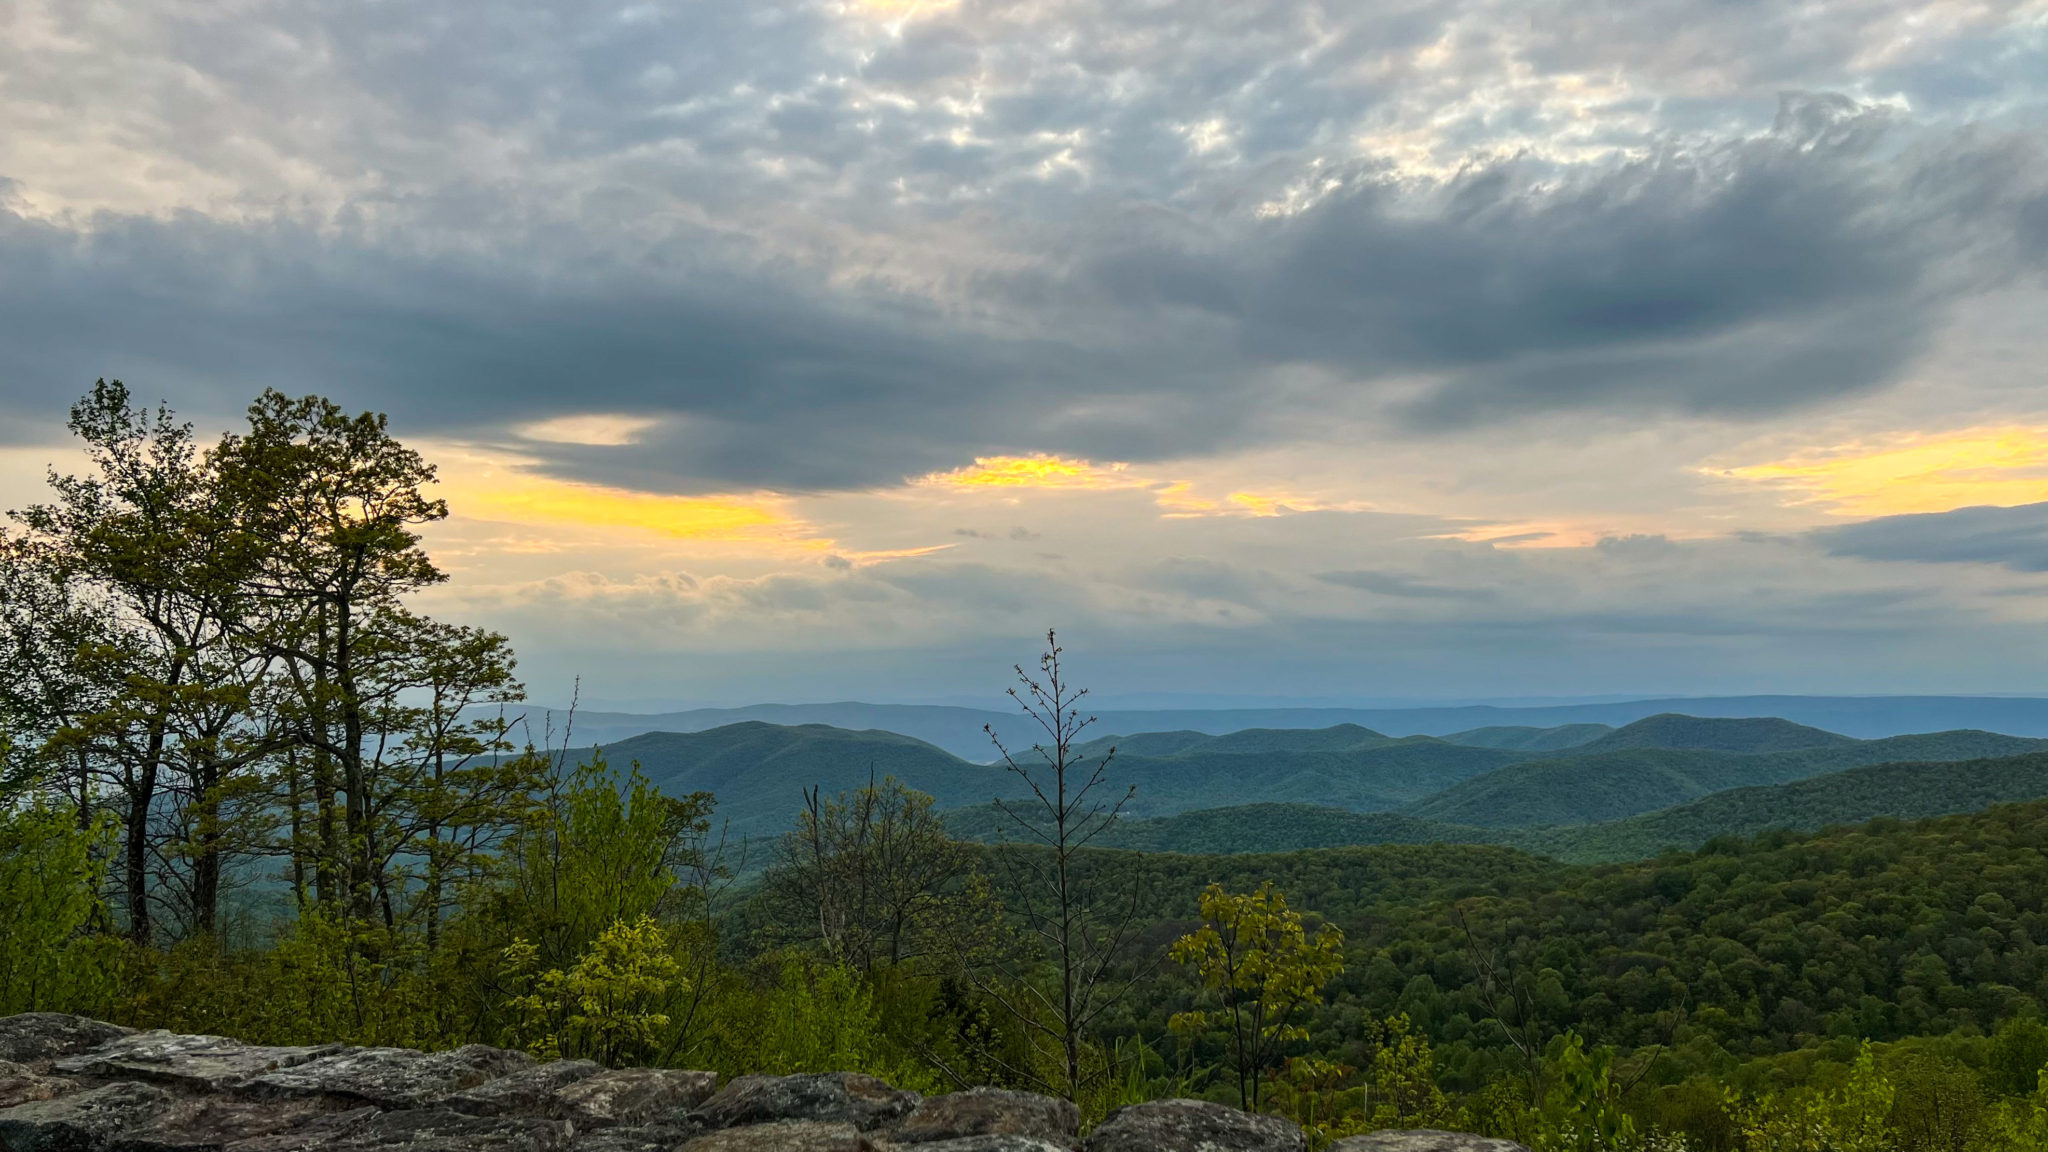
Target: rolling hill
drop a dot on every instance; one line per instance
(1241, 828)
(1521, 738)
(1909, 791)
(1717, 734)
(759, 771)
(1600, 786)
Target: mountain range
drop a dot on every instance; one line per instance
(1663, 780)
(960, 731)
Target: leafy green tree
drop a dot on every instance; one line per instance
(2019, 1052)
(872, 877)
(148, 541)
(50, 873)
(1255, 956)
(1582, 1110)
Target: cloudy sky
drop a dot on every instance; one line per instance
(813, 350)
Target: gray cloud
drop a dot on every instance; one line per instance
(831, 254)
(1392, 584)
(2015, 538)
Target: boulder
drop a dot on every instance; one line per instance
(210, 1123)
(836, 1097)
(36, 1036)
(1193, 1126)
(635, 1096)
(204, 1063)
(666, 1137)
(534, 1091)
(19, 1084)
(992, 1144)
(991, 1112)
(422, 1130)
(390, 1077)
(1424, 1140)
(83, 1122)
(786, 1136)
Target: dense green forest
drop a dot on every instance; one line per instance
(246, 787)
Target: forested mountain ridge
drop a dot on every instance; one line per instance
(1598, 786)
(1908, 791)
(759, 771)
(1527, 739)
(1716, 734)
(1762, 946)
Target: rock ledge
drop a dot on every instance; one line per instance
(68, 1084)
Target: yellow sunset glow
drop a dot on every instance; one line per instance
(1038, 471)
(1177, 499)
(1916, 473)
(481, 485)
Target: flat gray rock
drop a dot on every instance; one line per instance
(1193, 1126)
(991, 1112)
(1424, 1140)
(534, 1091)
(852, 1098)
(36, 1036)
(83, 1122)
(785, 1136)
(636, 1138)
(210, 1123)
(20, 1084)
(206, 1063)
(994, 1144)
(391, 1077)
(424, 1130)
(635, 1096)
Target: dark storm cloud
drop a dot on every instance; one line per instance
(1751, 278)
(2015, 538)
(747, 221)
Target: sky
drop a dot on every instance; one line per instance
(1424, 349)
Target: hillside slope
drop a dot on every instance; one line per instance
(1521, 738)
(1898, 791)
(1241, 828)
(1600, 786)
(1716, 734)
(759, 771)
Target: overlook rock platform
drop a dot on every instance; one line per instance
(69, 1084)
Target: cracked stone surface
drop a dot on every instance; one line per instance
(865, 1102)
(208, 1062)
(36, 1036)
(1193, 1126)
(391, 1078)
(69, 1084)
(19, 1084)
(989, 1112)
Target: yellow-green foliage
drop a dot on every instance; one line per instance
(613, 1005)
(1582, 1109)
(50, 872)
(1255, 956)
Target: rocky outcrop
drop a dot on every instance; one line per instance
(951, 1123)
(1193, 1126)
(1424, 1140)
(73, 1085)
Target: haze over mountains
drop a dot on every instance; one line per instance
(1582, 791)
(960, 731)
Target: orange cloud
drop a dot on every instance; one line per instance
(1914, 473)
